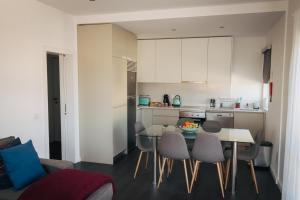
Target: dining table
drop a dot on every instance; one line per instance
(232, 135)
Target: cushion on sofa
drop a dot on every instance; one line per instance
(4, 144)
(22, 165)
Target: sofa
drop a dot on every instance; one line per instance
(103, 193)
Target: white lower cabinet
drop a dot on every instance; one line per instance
(250, 120)
(146, 116)
(120, 129)
(159, 117)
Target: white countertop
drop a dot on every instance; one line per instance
(207, 109)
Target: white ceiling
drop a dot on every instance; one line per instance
(236, 25)
(86, 7)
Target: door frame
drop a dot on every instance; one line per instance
(66, 101)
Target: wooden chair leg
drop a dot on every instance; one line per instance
(197, 171)
(253, 176)
(222, 173)
(186, 177)
(196, 167)
(227, 172)
(219, 167)
(138, 164)
(168, 167)
(147, 158)
(161, 172)
(224, 170)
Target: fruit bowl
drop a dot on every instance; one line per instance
(189, 127)
(188, 130)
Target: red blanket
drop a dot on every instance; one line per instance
(68, 184)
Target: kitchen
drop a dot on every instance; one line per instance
(221, 62)
(203, 79)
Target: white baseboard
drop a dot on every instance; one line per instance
(276, 179)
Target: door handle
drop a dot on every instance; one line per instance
(65, 109)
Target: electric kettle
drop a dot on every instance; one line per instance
(176, 101)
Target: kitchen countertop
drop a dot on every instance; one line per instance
(207, 109)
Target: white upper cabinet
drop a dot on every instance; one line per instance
(219, 62)
(168, 61)
(146, 63)
(131, 46)
(194, 59)
(204, 60)
(124, 43)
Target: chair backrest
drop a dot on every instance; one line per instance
(207, 148)
(143, 142)
(139, 127)
(212, 126)
(172, 145)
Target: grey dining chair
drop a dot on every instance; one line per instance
(246, 155)
(212, 126)
(208, 149)
(144, 144)
(172, 146)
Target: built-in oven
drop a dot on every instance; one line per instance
(197, 116)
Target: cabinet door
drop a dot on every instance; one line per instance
(120, 129)
(168, 61)
(147, 117)
(119, 42)
(194, 59)
(219, 63)
(132, 46)
(119, 81)
(250, 120)
(146, 61)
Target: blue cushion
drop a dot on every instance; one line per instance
(22, 165)
(4, 179)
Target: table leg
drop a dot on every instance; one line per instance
(234, 166)
(154, 162)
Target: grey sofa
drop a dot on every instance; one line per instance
(50, 166)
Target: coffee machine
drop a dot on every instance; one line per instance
(166, 100)
(212, 103)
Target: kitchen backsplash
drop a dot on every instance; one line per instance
(192, 94)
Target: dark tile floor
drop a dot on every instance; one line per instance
(174, 187)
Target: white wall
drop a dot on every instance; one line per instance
(28, 29)
(275, 37)
(293, 6)
(246, 78)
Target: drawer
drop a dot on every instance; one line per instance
(164, 120)
(169, 113)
